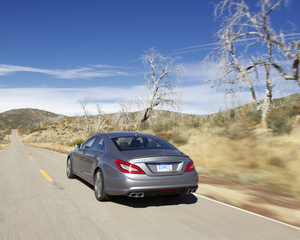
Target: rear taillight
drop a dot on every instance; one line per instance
(127, 167)
(190, 167)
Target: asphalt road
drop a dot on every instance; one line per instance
(38, 201)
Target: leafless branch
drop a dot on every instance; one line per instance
(160, 83)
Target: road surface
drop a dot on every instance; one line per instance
(38, 201)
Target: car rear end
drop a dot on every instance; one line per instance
(156, 175)
(150, 166)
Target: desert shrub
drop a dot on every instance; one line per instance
(144, 126)
(244, 178)
(237, 130)
(160, 126)
(254, 116)
(217, 120)
(252, 164)
(276, 161)
(179, 139)
(164, 135)
(295, 110)
(232, 114)
(278, 120)
(37, 129)
(194, 123)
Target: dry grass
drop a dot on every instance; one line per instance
(261, 159)
(58, 139)
(4, 145)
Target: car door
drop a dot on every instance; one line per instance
(92, 157)
(82, 157)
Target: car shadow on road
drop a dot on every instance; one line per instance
(155, 201)
(149, 201)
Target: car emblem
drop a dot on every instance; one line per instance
(165, 157)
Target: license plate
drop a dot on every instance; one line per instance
(164, 167)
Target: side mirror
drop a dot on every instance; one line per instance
(78, 145)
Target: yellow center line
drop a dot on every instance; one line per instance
(46, 175)
(31, 158)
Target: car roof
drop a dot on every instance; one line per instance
(123, 134)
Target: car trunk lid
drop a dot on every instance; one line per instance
(159, 162)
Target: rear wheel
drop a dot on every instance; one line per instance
(100, 193)
(69, 171)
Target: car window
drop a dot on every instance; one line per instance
(89, 143)
(99, 144)
(140, 142)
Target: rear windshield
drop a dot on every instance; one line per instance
(141, 142)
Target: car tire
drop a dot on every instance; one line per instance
(100, 193)
(69, 169)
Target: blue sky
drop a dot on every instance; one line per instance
(54, 53)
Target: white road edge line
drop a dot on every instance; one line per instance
(243, 210)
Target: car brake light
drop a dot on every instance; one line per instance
(190, 167)
(127, 167)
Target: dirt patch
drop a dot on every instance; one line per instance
(259, 210)
(216, 181)
(270, 203)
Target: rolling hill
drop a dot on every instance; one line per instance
(26, 117)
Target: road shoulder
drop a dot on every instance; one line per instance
(269, 203)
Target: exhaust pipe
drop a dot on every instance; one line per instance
(191, 190)
(136, 195)
(141, 194)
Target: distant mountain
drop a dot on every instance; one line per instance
(26, 117)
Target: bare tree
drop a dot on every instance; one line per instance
(126, 113)
(239, 32)
(100, 118)
(160, 82)
(87, 116)
(115, 121)
(262, 29)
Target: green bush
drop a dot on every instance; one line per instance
(244, 178)
(37, 129)
(178, 139)
(160, 126)
(254, 115)
(279, 121)
(194, 123)
(144, 126)
(217, 120)
(295, 110)
(237, 130)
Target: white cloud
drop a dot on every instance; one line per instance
(75, 73)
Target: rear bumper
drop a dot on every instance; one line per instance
(152, 186)
(164, 191)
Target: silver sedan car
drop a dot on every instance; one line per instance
(132, 164)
